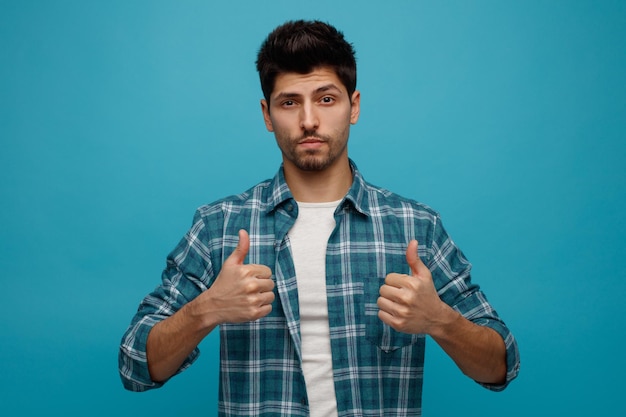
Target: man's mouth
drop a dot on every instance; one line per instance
(311, 140)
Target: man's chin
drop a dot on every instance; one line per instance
(311, 163)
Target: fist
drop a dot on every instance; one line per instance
(410, 303)
(241, 292)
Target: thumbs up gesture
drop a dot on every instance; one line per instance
(409, 303)
(241, 292)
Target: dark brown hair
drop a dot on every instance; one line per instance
(301, 46)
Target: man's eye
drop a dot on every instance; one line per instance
(288, 103)
(327, 100)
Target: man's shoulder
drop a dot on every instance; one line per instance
(254, 196)
(385, 199)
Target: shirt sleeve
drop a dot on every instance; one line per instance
(451, 274)
(187, 274)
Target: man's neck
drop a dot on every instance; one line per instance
(331, 184)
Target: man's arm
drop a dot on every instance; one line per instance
(478, 351)
(240, 293)
(410, 304)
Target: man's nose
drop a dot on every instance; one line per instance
(309, 119)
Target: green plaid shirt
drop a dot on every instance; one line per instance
(377, 371)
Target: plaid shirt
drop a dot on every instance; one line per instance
(377, 370)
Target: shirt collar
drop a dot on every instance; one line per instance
(279, 191)
(357, 195)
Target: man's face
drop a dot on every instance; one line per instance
(310, 115)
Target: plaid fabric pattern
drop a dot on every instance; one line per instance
(377, 371)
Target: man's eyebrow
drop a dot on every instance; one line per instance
(327, 87)
(286, 95)
(322, 89)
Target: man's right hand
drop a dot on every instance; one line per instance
(241, 292)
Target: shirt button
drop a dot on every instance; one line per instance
(303, 401)
(289, 207)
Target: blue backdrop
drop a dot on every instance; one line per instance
(119, 118)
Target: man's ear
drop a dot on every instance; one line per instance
(266, 115)
(356, 107)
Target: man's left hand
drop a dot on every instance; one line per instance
(409, 303)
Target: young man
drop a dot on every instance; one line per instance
(322, 285)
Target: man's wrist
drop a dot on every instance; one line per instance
(196, 319)
(445, 322)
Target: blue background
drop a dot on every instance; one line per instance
(119, 118)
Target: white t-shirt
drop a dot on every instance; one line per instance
(309, 238)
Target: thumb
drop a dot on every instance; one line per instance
(413, 259)
(241, 251)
